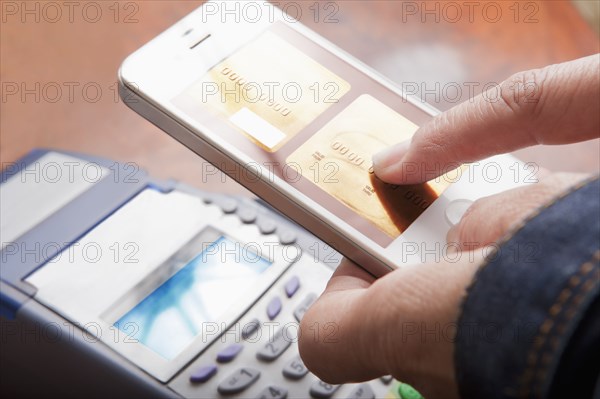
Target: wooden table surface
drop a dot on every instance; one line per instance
(79, 51)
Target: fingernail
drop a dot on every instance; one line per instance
(390, 156)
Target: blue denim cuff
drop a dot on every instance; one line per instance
(526, 304)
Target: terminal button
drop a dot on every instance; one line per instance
(295, 369)
(273, 308)
(303, 306)
(203, 374)
(287, 237)
(323, 390)
(247, 215)
(363, 391)
(228, 205)
(273, 392)
(266, 226)
(292, 286)
(408, 392)
(229, 353)
(386, 379)
(250, 328)
(238, 381)
(276, 346)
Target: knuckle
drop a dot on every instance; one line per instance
(523, 94)
(433, 139)
(484, 222)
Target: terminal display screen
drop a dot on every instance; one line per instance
(199, 293)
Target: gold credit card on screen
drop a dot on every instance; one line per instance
(338, 160)
(269, 90)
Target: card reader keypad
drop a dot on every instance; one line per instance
(268, 365)
(258, 356)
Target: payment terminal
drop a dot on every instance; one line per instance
(114, 283)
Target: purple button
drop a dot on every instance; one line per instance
(204, 373)
(273, 308)
(292, 286)
(229, 353)
(250, 328)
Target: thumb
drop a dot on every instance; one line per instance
(489, 219)
(361, 328)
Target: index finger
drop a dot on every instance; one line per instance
(557, 104)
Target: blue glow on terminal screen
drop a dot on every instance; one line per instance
(168, 320)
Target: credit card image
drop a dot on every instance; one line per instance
(269, 90)
(338, 160)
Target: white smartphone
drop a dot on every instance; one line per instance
(296, 120)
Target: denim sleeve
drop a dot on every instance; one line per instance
(530, 323)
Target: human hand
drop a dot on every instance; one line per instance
(555, 105)
(404, 323)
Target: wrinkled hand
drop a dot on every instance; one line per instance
(403, 324)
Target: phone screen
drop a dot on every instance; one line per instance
(315, 121)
